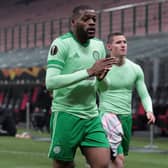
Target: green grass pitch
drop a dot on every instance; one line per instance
(30, 153)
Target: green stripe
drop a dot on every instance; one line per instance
(52, 66)
(55, 62)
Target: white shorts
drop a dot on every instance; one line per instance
(113, 129)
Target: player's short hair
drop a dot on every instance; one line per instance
(77, 9)
(111, 35)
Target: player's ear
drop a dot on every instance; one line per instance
(72, 21)
(108, 46)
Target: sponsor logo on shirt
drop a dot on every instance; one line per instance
(54, 50)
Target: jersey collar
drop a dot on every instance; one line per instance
(84, 44)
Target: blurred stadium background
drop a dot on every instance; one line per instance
(27, 28)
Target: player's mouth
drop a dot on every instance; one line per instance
(91, 31)
(123, 50)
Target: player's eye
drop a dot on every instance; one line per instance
(85, 19)
(94, 19)
(118, 42)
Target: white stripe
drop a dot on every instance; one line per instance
(130, 6)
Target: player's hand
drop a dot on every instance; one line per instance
(100, 66)
(151, 117)
(104, 73)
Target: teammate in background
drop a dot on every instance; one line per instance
(75, 59)
(116, 96)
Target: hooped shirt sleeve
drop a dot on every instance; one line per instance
(143, 92)
(55, 64)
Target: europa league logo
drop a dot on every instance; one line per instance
(96, 55)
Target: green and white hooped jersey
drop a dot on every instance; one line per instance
(74, 91)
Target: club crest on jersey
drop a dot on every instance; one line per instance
(96, 55)
(57, 149)
(54, 50)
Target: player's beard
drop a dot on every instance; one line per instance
(83, 34)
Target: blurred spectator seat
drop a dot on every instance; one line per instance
(139, 119)
(7, 122)
(1, 97)
(162, 122)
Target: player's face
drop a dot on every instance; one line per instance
(118, 46)
(85, 24)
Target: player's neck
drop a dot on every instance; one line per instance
(79, 38)
(121, 61)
